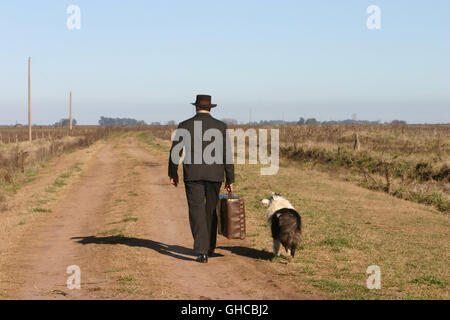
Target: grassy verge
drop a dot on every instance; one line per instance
(154, 143)
(403, 176)
(346, 230)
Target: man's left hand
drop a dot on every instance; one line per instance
(174, 181)
(229, 187)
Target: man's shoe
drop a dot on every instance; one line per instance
(202, 258)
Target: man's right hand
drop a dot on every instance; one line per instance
(174, 181)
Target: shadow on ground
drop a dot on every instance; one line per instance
(177, 252)
(174, 251)
(151, 164)
(249, 252)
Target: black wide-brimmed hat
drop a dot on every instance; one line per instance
(204, 100)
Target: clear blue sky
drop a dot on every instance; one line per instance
(148, 59)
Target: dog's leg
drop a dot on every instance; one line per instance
(288, 257)
(292, 254)
(276, 247)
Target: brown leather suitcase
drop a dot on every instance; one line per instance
(231, 216)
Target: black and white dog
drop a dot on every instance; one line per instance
(286, 224)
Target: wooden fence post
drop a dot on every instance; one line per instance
(29, 100)
(357, 145)
(70, 118)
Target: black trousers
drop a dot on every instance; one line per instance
(202, 197)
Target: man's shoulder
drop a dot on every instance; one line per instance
(219, 122)
(185, 122)
(216, 122)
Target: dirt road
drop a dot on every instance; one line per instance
(127, 230)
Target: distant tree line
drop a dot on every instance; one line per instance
(120, 122)
(65, 123)
(346, 121)
(315, 121)
(230, 122)
(168, 123)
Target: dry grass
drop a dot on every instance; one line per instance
(347, 229)
(21, 160)
(410, 162)
(9, 134)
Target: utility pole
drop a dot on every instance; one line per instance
(250, 116)
(70, 117)
(29, 100)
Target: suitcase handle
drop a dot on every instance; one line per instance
(230, 195)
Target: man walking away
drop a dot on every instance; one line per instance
(202, 179)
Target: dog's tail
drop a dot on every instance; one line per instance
(299, 223)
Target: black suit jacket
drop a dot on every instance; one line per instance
(208, 172)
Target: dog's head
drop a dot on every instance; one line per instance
(274, 203)
(268, 201)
